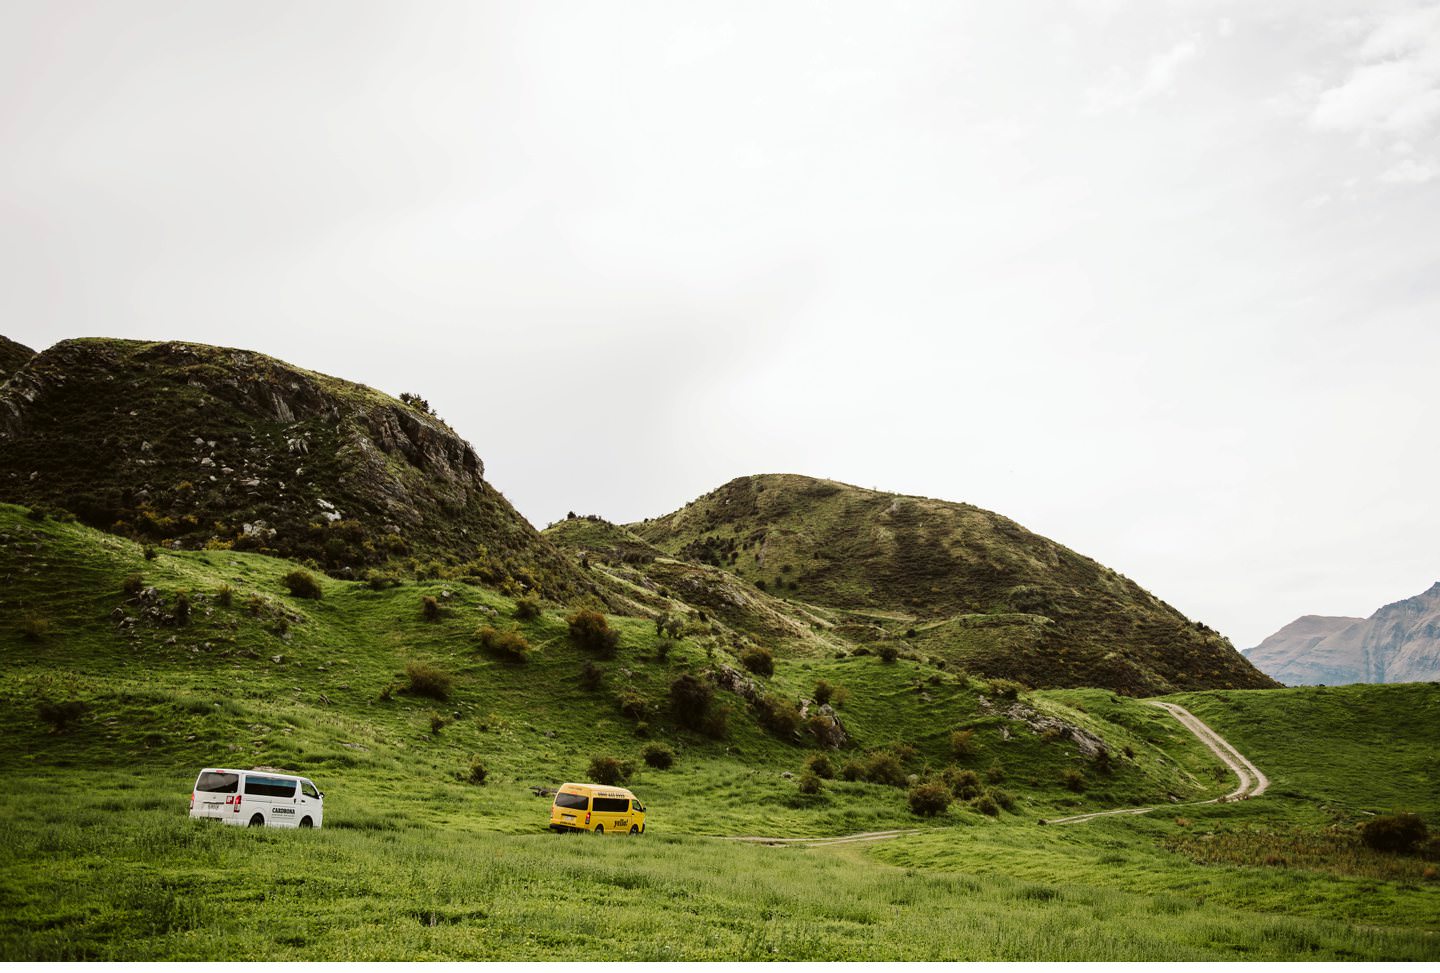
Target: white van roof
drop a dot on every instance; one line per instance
(252, 770)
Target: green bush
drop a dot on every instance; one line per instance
(225, 596)
(819, 764)
(477, 772)
(302, 584)
(591, 677)
(379, 582)
(986, 805)
(659, 756)
(429, 608)
(809, 783)
(60, 715)
(964, 784)
(1006, 688)
(427, 680)
(883, 767)
(1003, 797)
(1073, 780)
(888, 653)
(759, 661)
(590, 631)
(995, 773)
(929, 799)
(527, 609)
(609, 770)
(824, 692)
(633, 705)
(853, 770)
(506, 643)
(690, 700)
(437, 723)
(134, 584)
(1394, 832)
(182, 609)
(779, 716)
(962, 744)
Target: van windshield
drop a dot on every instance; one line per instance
(216, 782)
(578, 802)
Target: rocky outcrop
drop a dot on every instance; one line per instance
(12, 356)
(191, 446)
(1399, 643)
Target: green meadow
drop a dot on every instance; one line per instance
(418, 860)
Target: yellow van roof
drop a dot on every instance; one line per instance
(594, 790)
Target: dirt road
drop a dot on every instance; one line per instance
(1252, 782)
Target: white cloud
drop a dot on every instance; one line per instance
(1410, 172)
(1121, 90)
(1395, 87)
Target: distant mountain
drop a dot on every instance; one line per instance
(12, 356)
(191, 446)
(949, 580)
(1399, 643)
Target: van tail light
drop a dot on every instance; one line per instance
(192, 800)
(237, 803)
(587, 817)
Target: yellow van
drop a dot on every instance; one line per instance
(597, 808)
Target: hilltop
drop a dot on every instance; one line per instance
(12, 356)
(949, 580)
(1399, 643)
(191, 446)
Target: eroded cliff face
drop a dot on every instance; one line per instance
(192, 446)
(1399, 643)
(12, 356)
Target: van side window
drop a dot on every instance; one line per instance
(213, 782)
(612, 805)
(576, 802)
(309, 790)
(268, 787)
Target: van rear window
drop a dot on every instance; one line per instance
(612, 805)
(216, 783)
(576, 802)
(269, 787)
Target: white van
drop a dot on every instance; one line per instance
(257, 798)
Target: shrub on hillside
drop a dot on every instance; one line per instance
(690, 700)
(380, 582)
(59, 716)
(1394, 832)
(302, 584)
(477, 772)
(853, 770)
(995, 773)
(591, 676)
(819, 764)
(962, 744)
(964, 784)
(759, 661)
(426, 680)
(429, 608)
(134, 584)
(182, 609)
(590, 631)
(1006, 688)
(150, 553)
(986, 805)
(633, 705)
(527, 609)
(670, 625)
(809, 783)
(508, 643)
(883, 767)
(609, 770)
(929, 799)
(824, 692)
(888, 653)
(659, 756)
(779, 716)
(1002, 797)
(225, 596)
(437, 723)
(1073, 780)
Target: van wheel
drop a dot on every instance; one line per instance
(306, 823)
(634, 830)
(599, 829)
(257, 821)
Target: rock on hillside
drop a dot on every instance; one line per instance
(953, 581)
(12, 356)
(1399, 643)
(192, 446)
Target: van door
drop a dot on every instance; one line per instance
(273, 799)
(308, 806)
(215, 794)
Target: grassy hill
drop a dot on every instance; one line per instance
(418, 861)
(190, 446)
(952, 581)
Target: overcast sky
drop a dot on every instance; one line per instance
(1158, 280)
